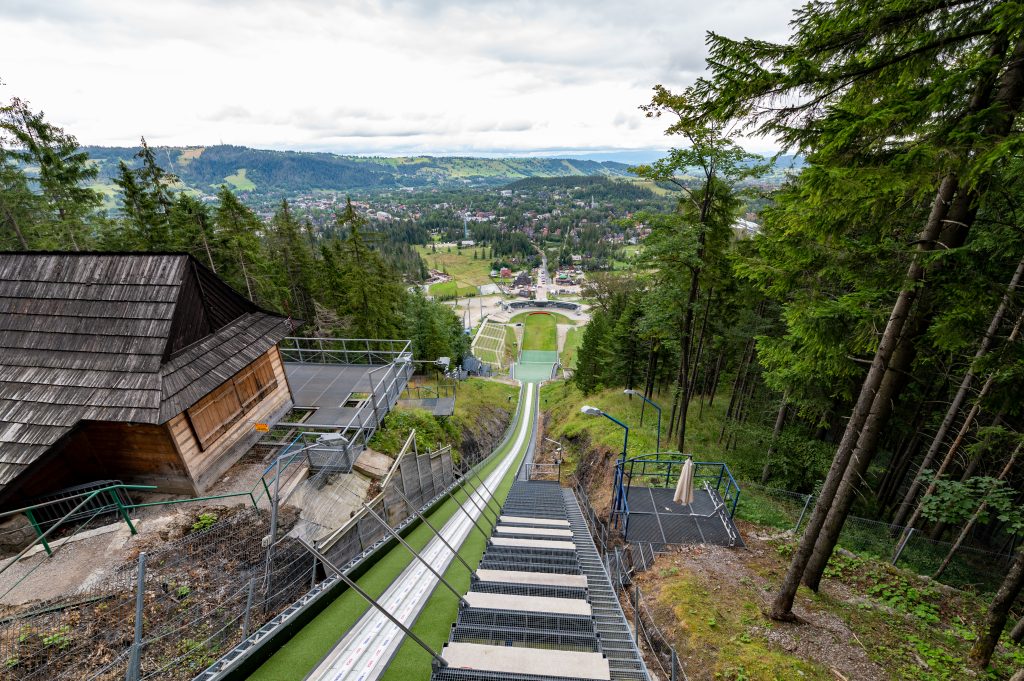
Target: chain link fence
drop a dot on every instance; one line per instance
(971, 567)
(179, 607)
(196, 597)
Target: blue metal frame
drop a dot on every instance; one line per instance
(644, 465)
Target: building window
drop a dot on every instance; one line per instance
(221, 409)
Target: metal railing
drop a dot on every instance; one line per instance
(344, 350)
(654, 470)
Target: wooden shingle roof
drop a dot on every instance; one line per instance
(134, 338)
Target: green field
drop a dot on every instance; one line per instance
(240, 182)
(459, 265)
(452, 289)
(316, 639)
(540, 332)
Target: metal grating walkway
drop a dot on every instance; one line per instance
(655, 519)
(573, 614)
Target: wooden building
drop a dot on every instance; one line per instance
(137, 367)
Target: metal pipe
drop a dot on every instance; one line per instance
(355, 587)
(248, 609)
(451, 493)
(488, 490)
(414, 552)
(135, 661)
(434, 530)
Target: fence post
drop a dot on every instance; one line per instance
(802, 513)
(675, 662)
(248, 609)
(636, 614)
(135, 660)
(902, 545)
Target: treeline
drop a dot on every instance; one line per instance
(342, 281)
(879, 310)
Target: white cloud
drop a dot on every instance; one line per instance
(370, 76)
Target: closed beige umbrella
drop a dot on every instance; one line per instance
(684, 488)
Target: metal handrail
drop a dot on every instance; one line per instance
(89, 496)
(623, 477)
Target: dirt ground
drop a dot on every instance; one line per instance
(729, 590)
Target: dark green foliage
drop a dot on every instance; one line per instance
(146, 203)
(60, 174)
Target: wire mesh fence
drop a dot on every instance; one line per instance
(197, 593)
(970, 567)
(202, 594)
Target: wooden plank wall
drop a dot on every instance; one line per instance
(206, 466)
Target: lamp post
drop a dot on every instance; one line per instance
(594, 411)
(639, 394)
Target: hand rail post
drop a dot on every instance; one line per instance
(124, 513)
(39, 532)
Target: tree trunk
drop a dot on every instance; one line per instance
(700, 348)
(782, 605)
(961, 395)
(780, 421)
(1017, 635)
(974, 518)
(892, 383)
(685, 343)
(738, 386)
(714, 381)
(13, 222)
(998, 613)
(964, 428)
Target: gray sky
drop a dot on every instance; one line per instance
(366, 76)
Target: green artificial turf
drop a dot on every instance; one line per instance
(309, 646)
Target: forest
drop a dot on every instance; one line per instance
(869, 334)
(345, 280)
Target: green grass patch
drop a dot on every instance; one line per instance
(315, 640)
(240, 182)
(559, 318)
(571, 348)
(431, 433)
(724, 625)
(540, 332)
(452, 289)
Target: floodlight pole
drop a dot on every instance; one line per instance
(657, 447)
(594, 411)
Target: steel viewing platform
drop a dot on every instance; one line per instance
(643, 508)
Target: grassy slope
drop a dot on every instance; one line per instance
(460, 265)
(911, 627)
(900, 626)
(314, 641)
(571, 349)
(240, 182)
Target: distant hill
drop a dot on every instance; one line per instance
(286, 172)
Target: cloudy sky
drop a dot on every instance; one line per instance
(473, 77)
